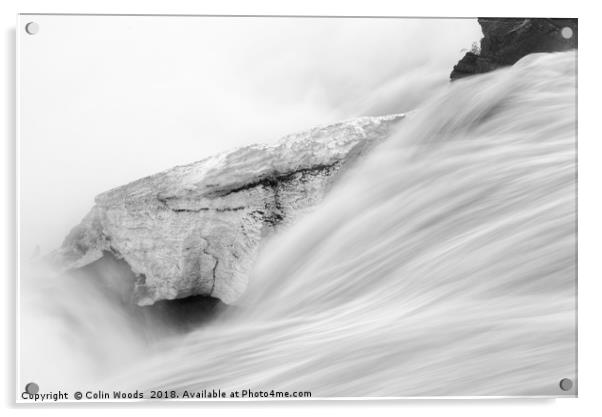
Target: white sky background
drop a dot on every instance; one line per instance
(107, 100)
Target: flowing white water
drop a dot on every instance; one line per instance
(445, 264)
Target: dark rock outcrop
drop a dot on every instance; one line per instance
(506, 40)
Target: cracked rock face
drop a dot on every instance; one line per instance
(196, 229)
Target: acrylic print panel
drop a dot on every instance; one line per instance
(286, 207)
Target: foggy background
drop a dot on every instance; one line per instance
(164, 91)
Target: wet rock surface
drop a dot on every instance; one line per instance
(506, 40)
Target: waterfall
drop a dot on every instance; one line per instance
(442, 264)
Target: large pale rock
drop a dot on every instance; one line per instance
(195, 229)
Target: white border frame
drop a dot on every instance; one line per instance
(590, 170)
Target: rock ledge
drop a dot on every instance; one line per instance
(195, 229)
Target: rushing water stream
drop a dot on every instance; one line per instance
(444, 264)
